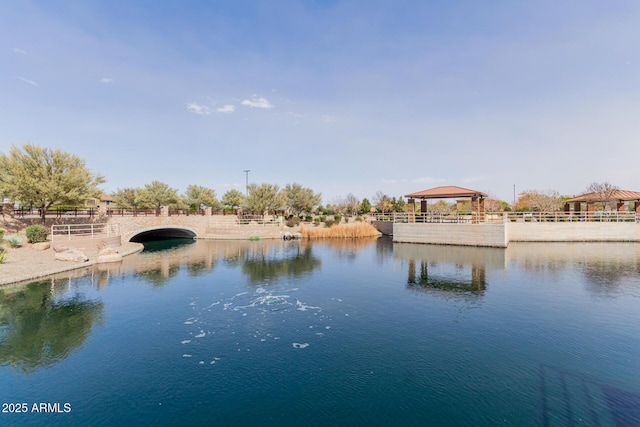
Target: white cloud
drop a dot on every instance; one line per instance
(226, 109)
(198, 109)
(471, 179)
(328, 119)
(31, 82)
(16, 50)
(106, 80)
(256, 102)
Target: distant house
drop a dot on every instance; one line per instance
(103, 200)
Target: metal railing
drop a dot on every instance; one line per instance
(93, 231)
(55, 213)
(489, 217)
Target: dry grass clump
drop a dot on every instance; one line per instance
(340, 231)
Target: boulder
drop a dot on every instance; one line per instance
(108, 251)
(41, 246)
(116, 257)
(73, 255)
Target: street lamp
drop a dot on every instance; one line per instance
(246, 171)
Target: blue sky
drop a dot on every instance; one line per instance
(340, 96)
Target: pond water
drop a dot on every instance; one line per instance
(363, 332)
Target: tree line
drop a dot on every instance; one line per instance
(43, 177)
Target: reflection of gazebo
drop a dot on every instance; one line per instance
(590, 200)
(448, 192)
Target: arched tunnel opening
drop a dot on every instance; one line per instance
(162, 234)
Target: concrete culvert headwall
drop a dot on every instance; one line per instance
(162, 234)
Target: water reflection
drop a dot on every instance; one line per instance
(43, 323)
(448, 271)
(258, 260)
(607, 269)
(268, 263)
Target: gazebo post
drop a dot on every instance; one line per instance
(477, 209)
(412, 211)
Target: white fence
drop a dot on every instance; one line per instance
(93, 231)
(429, 217)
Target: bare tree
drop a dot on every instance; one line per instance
(540, 201)
(603, 192)
(352, 203)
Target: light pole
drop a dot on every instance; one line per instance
(514, 197)
(246, 188)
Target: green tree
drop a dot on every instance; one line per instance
(301, 199)
(126, 198)
(365, 206)
(40, 177)
(157, 194)
(197, 195)
(399, 205)
(265, 198)
(234, 199)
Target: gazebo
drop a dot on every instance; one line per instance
(619, 197)
(448, 192)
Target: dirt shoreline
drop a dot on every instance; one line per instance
(25, 264)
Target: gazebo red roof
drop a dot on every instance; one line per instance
(446, 192)
(621, 195)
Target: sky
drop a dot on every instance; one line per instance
(353, 96)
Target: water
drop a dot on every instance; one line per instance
(330, 333)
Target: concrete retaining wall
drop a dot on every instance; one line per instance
(573, 232)
(491, 235)
(385, 227)
(499, 235)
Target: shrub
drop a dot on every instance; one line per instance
(1, 234)
(36, 233)
(329, 222)
(337, 218)
(3, 255)
(293, 221)
(308, 218)
(14, 241)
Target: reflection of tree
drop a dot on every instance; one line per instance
(159, 277)
(608, 278)
(261, 266)
(40, 329)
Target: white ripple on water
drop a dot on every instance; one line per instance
(261, 301)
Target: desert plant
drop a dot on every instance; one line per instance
(36, 233)
(3, 255)
(1, 234)
(293, 221)
(13, 241)
(337, 218)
